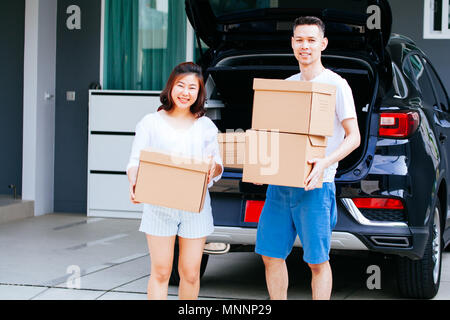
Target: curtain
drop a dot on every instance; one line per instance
(176, 42)
(144, 40)
(121, 44)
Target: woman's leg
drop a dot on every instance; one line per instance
(161, 258)
(189, 261)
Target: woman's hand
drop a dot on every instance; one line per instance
(132, 194)
(132, 175)
(212, 171)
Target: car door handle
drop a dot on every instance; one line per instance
(442, 137)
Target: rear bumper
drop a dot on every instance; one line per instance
(247, 236)
(393, 238)
(352, 232)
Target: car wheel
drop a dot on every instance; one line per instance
(420, 279)
(175, 276)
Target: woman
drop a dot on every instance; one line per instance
(179, 127)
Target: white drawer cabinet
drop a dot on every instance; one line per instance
(109, 152)
(113, 116)
(108, 194)
(119, 113)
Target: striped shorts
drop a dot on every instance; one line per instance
(167, 222)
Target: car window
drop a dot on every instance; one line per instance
(420, 76)
(408, 71)
(417, 65)
(400, 87)
(440, 90)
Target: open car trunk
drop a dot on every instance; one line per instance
(230, 85)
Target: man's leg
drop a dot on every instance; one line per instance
(276, 278)
(274, 240)
(322, 281)
(316, 218)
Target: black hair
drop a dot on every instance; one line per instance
(309, 20)
(198, 108)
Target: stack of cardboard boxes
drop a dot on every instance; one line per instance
(291, 123)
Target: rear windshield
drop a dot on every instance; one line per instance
(223, 7)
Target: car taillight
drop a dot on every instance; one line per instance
(253, 210)
(399, 124)
(378, 203)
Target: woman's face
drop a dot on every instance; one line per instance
(185, 91)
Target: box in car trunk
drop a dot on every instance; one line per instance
(232, 148)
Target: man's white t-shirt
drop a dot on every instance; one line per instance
(345, 109)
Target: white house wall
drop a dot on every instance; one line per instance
(39, 104)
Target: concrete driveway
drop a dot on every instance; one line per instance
(66, 256)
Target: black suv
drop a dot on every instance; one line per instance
(392, 191)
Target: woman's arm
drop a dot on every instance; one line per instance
(213, 153)
(132, 175)
(141, 141)
(215, 171)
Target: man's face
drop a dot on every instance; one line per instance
(308, 42)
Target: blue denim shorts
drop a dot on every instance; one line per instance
(289, 212)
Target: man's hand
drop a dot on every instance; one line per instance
(319, 166)
(351, 142)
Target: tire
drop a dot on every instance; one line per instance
(175, 276)
(420, 279)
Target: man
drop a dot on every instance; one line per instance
(309, 212)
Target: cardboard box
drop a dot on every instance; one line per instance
(301, 107)
(281, 158)
(171, 181)
(232, 149)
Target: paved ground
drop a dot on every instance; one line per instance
(40, 258)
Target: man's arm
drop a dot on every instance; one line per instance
(351, 142)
